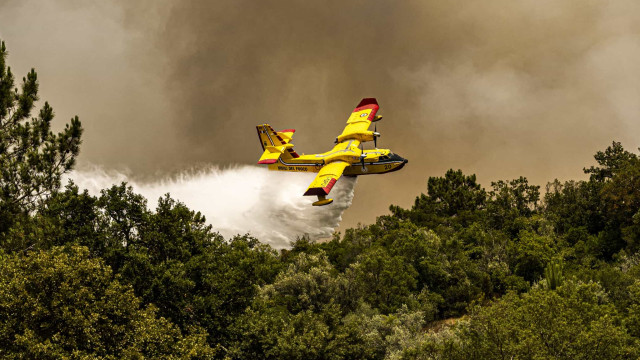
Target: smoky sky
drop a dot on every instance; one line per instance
(501, 88)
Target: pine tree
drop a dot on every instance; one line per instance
(32, 158)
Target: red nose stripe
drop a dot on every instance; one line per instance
(267, 161)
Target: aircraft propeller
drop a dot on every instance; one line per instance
(375, 138)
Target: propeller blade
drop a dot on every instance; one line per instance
(375, 138)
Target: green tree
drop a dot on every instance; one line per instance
(299, 315)
(632, 320)
(456, 192)
(446, 276)
(621, 200)
(530, 253)
(574, 204)
(453, 199)
(509, 200)
(610, 162)
(386, 336)
(344, 252)
(486, 260)
(170, 256)
(69, 216)
(386, 282)
(32, 157)
(174, 260)
(61, 303)
(577, 321)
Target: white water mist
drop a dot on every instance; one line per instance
(246, 199)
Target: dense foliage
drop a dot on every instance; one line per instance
(466, 272)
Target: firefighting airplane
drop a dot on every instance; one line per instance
(345, 158)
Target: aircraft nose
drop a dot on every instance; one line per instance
(397, 157)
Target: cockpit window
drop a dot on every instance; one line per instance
(384, 157)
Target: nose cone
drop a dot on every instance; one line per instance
(400, 162)
(396, 157)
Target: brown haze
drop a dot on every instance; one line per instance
(497, 88)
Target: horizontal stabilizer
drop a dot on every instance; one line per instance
(272, 153)
(269, 157)
(278, 149)
(286, 135)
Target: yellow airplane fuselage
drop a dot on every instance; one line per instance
(378, 161)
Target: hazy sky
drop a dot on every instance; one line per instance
(498, 88)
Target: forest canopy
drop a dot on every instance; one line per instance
(503, 272)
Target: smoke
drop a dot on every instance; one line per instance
(501, 88)
(239, 200)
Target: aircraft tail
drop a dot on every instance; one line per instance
(275, 144)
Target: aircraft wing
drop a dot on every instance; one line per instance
(326, 178)
(361, 117)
